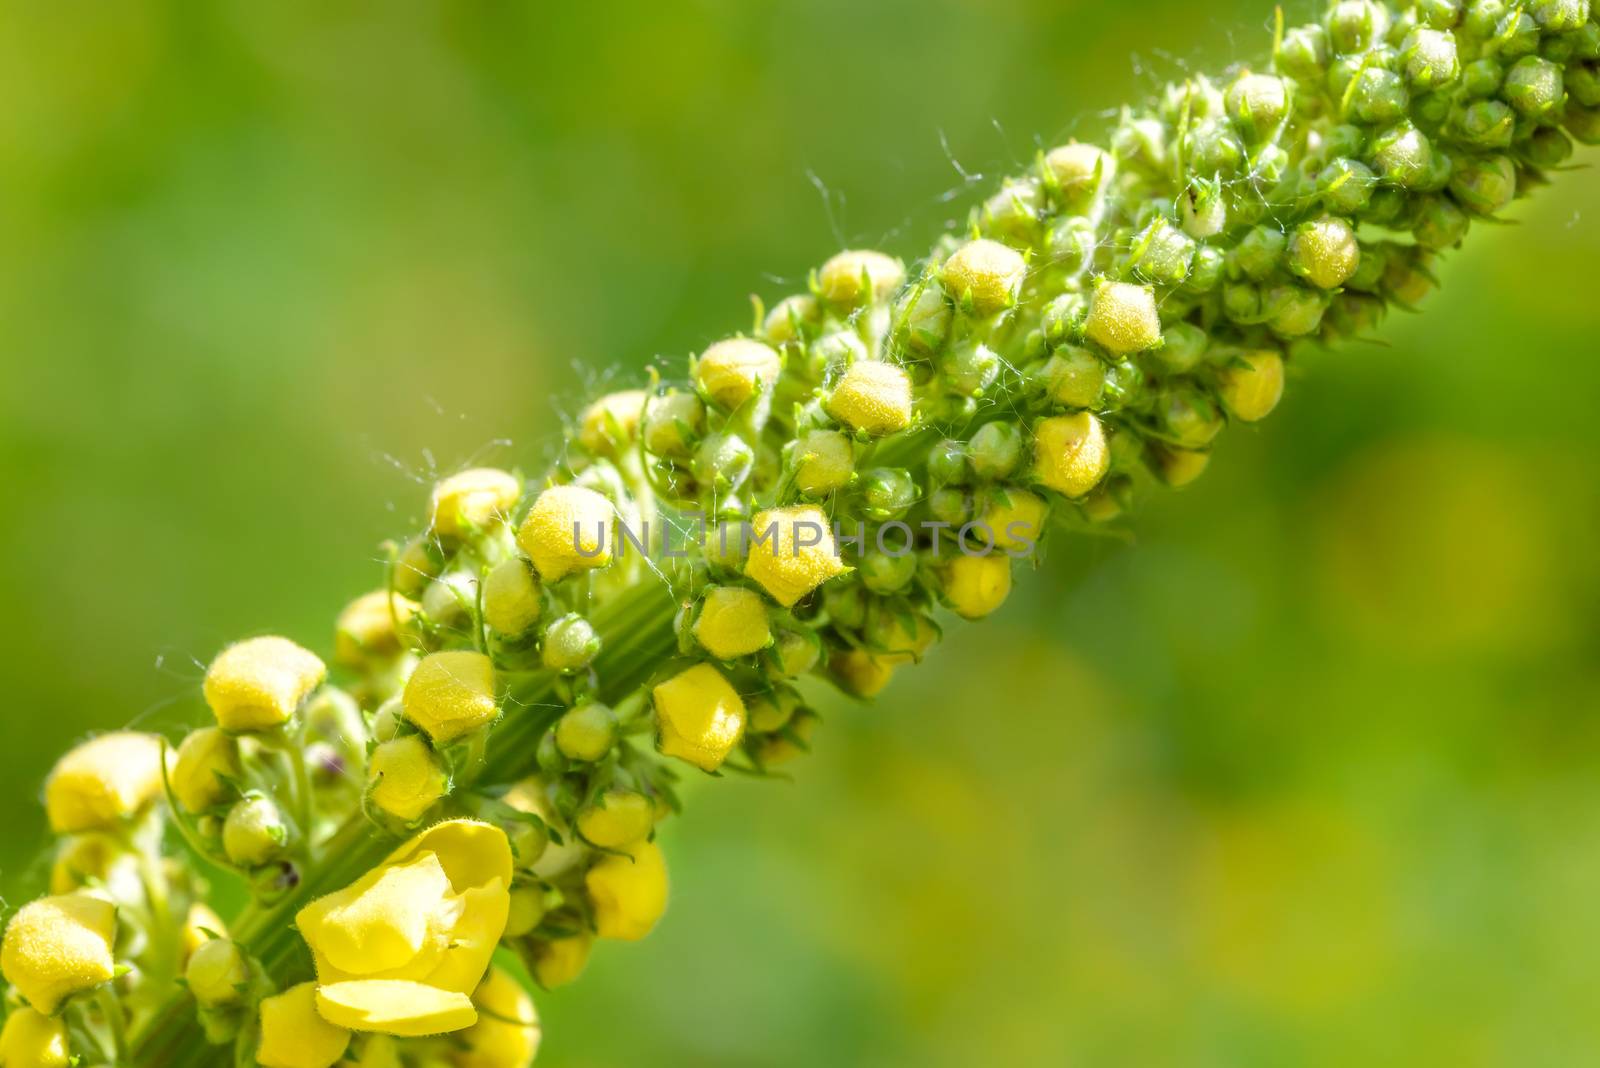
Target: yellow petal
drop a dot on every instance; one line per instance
(33, 1040)
(389, 925)
(295, 1035)
(395, 1007)
(629, 893)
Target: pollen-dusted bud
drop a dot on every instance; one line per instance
(872, 398)
(1123, 318)
(87, 859)
(218, 973)
(792, 552)
(731, 372)
(254, 832)
(208, 758)
(1356, 25)
(450, 695)
(294, 1034)
(558, 961)
(824, 460)
(724, 461)
(617, 819)
(969, 368)
(628, 893)
(568, 529)
(1015, 518)
(33, 1040)
(611, 424)
(1325, 252)
(369, 627)
(103, 782)
(507, 1032)
(859, 276)
(1252, 391)
(59, 946)
(983, 277)
(405, 778)
(974, 586)
(699, 716)
(511, 603)
(468, 502)
(1561, 16)
(570, 644)
(1076, 173)
(673, 423)
(586, 732)
(260, 682)
(1161, 253)
(732, 622)
(1070, 453)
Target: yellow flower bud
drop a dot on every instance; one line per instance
(400, 950)
(103, 782)
(795, 653)
(859, 672)
(983, 276)
(527, 909)
(612, 422)
(568, 529)
(774, 749)
(673, 423)
(258, 683)
(1179, 467)
(218, 973)
(772, 713)
(33, 1040)
(1252, 392)
(1325, 252)
(865, 672)
(254, 832)
(369, 627)
(294, 1034)
(792, 552)
(404, 778)
(1078, 171)
(976, 585)
(733, 622)
(859, 276)
(468, 502)
(1070, 453)
(872, 397)
(1015, 517)
(617, 819)
(558, 961)
(59, 946)
(1075, 378)
(532, 795)
(450, 695)
(507, 1032)
(629, 893)
(85, 858)
(699, 716)
(200, 925)
(586, 732)
(206, 758)
(731, 372)
(789, 317)
(1123, 318)
(824, 462)
(417, 564)
(511, 598)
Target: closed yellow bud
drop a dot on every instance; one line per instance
(103, 782)
(218, 973)
(1123, 318)
(975, 586)
(617, 819)
(872, 397)
(611, 423)
(1015, 517)
(859, 276)
(789, 317)
(984, 276)
(450, 695)
(1252, 392)
(865, 672)
(568, 529)
(1070, 453)
(369, 627)
(673, 423)
(254, 831)
(294, 1034)
(511, 603)
(774, 749)
(792, 552)
(699, 716)
(629, 893)
(207, 757)
(824, 462)
(507, 1032)
(1325, 252)
(861, 673)
(468, 502)
(258, 683)
(200, 925)
(33, 1040)
(1179, 467)
(84, 858)
(558, 961)
(794, 652)
(404, 778)
(731, 372)
(1078, 171)
(733, 622)
(59, 946)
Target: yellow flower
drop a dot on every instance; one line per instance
(611, 422)
(976, 585)
(103, 782)
(206, 757)
(824, 462)
(568, 529)
(218, 973)
(404, 778)
(368, 627)
(733, 622)
(511, 598)
(59, 946)
(984, 276)
(1015, 517)
(558, 961)
(1123, 318)
(731, 372)
(450, 695)
(294, 1034)
(857, 276)
(699, 716)
(617, 819)
(629, 893)
(1252, 392)
(1070, 453)
(401, 949)
(792, 552)
(469, 501)
(507, 1032)
(873, 397)
(258, 683)
(33, 1040)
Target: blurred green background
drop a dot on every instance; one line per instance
(1308, 773)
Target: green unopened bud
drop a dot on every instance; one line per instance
(1296, 310)
(1547, 147)
(950, 505)
(1192, 420)
(1070, 241)
(724, 461)
(570, 644)
(1074, 378)
(1141, 142)
(1063, 317)
(673, 424)
(449, 599)
(511, 601)
(769, 750)
(1534, 86)
(1517, 34)
(835, 351)
(1183, 344)
(886, 573)
(617, 819)
(792, 319)
(1378, 97)
(1439, 14)
(970, 368)
(1303, 53)
(1440, 223)
(1324, 252)
(795, 652)
(1430, 58)
(1076, 173)
(1012, 215)
(417, 564)
(526, 911)
(1484, 185)
(1486, 124)
(997, 450)
(1561, 16)
(1207, 271)
(1123, 319)
(1403, 156)
(824, 460)
(1583, 124)
(1203, 210)
(1481, 78)
(1346, 186)
(586, 732)
(1212, 148)
(859, 276)
(1258, 103)
(254, 832)
(924, 316)
(947, 464)
(1583, 84)
(1161, 253)
(1356, 25)
(1260, 252)
(983, 277)
(887, 492)
(218, 973)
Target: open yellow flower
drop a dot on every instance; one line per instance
(450, 695)
(258, 683)
(294, 1034)
(59, 946)
(33, 1040)
(792, 552)
(507, 1032)
(629, 893)
(699, 716)
(568, 529)
(103, 782)
(401, 950)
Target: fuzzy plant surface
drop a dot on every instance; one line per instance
(471, 793)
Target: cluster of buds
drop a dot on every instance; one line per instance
(520, 703)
